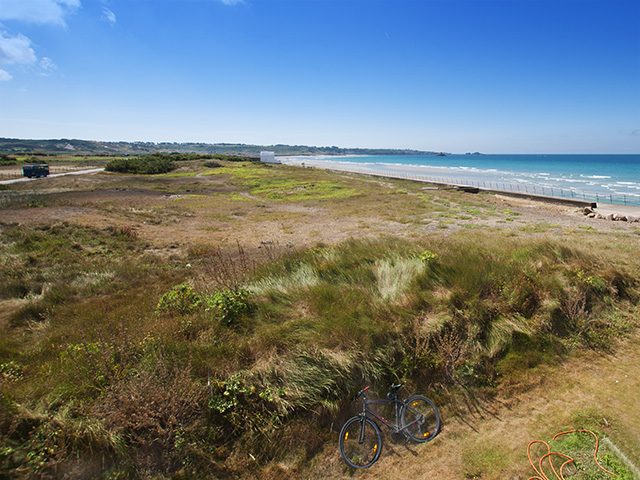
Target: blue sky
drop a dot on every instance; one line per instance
(504, 76)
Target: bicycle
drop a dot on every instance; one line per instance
(417, 419)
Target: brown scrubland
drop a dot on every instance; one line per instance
(215, 322)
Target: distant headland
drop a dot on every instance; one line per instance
(65, 146)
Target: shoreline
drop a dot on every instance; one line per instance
(434, 175)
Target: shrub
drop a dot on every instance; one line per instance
(181, 299)
(153, 409)
(47, 438)
(232, 304)
(428, 257)
(12, 371)
(151, 165)
(6, 160)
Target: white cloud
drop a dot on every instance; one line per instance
(16, 50)
(232, 2)
(47, 64)
(4, 76)
(108, 15)
(38, 11)
(636, 133)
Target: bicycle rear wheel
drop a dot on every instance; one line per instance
(420, 418)
(360, 442)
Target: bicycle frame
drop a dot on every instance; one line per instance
(398, 404)
(360, 440)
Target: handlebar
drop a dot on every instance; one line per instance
(393, 389)
(361, 392)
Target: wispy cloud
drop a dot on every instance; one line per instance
(108, 15)
(16, 50)
(636, 133)
(47, 64)
(232, 2)
(38, 11)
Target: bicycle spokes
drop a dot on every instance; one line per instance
(420, 418)
(360, 442)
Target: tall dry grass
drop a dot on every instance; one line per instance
(165, 391)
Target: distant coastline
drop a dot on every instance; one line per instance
(74, 147)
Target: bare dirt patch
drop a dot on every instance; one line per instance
(187, 210)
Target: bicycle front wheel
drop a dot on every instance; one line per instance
(420, 418)
(360, 442)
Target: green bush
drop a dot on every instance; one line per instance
(150, 165)
(428, 256)
(6, 160)
(231, 305)
(181, 299)
(12, 371)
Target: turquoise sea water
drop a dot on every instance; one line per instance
(604, 178)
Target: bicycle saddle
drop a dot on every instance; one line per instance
(396, 387)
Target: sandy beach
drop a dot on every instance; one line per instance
(599, 179)
(424, 174)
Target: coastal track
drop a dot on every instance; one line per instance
(77, 172)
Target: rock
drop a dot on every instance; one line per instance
(620, 218)
(591, 215)
(587, 210)
(632, 219)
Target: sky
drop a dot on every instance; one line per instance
(495, 76)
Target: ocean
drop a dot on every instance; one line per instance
(599, 178)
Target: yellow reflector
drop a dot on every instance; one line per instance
(425, 434)
(346, 435)
(375, 448)
(415, 403)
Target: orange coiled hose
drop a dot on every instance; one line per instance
(540, 475)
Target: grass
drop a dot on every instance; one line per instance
(579, 448)
(163, 371)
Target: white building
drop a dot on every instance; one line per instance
(268, 157)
